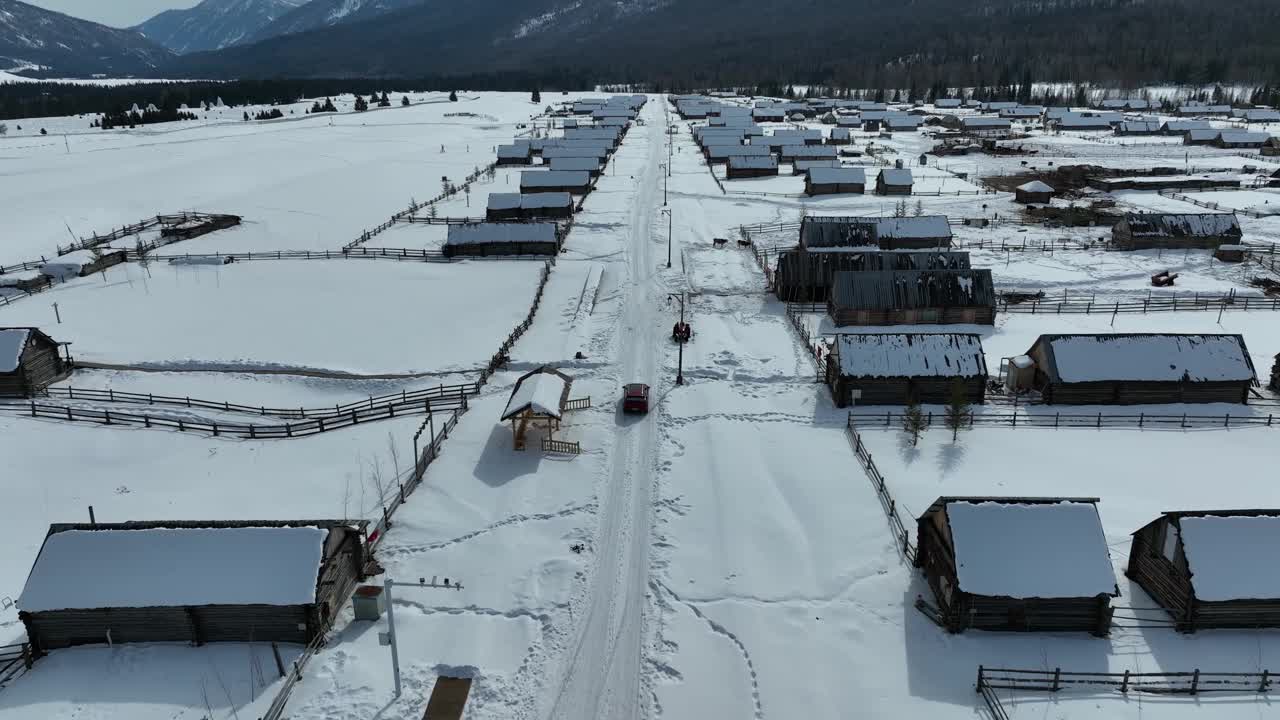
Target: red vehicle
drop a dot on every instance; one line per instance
(635, 398)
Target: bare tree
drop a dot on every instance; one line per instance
(919, 208)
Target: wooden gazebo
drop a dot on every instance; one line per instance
(540, 398)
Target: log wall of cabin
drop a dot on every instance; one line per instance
(1144, 393)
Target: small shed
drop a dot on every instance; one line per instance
(1017, 564)
(835, 181)
(29, 362)
(839, 136)
(1231, 253)
(1211, 569)
(539, 398)
(901, 369)
(751, 166)
(1142, 231)
(894, 181)
(911, 297)
(575, 182)
(1241, 139)
(196, 582)
(1034, 192)
(1142, 369)
(485, 239)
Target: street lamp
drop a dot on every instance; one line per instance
(665, 175)
(679, 343)
(667, 212)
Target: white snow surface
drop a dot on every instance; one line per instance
(911, 355)
(1168, 358)
(12, 342)
(1030, 550)
(540, 392)
(166, 567)
(1035, 186)
(1232, 558)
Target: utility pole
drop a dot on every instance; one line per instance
(667, 212)
(679, 343)
(391, 618)
(665, 176)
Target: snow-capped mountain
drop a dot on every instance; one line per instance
(326, 13)
(215, 24)
(63, 45)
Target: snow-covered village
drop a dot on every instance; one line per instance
(641, 403)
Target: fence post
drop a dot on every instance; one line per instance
(1195, 681)
(1057, 677)
(1261, 688)
(1124, 686)
(980, 679)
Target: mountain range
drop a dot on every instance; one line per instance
(868, 43)
(33, 38)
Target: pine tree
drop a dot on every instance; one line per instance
(246, 116)
(361, 105)
(913, 422)
(536, 97)
(919, 208)
(404, 101)
(957, 408)
(453, 96)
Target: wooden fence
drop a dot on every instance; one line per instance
(441, 397)
(890, 506)
(247, 431)
(415, 206)
(1215, 206)
(563, 447)
(1095, 421)
(14, 661)
(1194, 682)
(502, 356)
(1157, 303)
(812, 349)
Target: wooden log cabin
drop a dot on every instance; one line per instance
(1141, 369)
(29, 362)
(902, 369)
(803, 276)
(1017, 564)
(894, 181)
(190, 581)
(911, 297)
(743, 167)
(488, 239)
(1036, 192)
(514, 206)
(1142, 231)
(1211, 569)
(543, 181)
(835, 181)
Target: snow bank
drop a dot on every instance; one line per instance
(1231, 557)
(68, 265)
(12, 343)
(1049, 550)
(87, 569)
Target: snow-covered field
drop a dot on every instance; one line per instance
(723, 556)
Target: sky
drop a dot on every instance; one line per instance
(116, 13)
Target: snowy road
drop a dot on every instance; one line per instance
(601, 676)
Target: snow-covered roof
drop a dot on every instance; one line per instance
(543, 391)
(504, 201)
(1183, 225)
(896, 177)
(12, 343)
(165, 567)
(483, 233)
(911, 355)
(985, 123)
(539, 201)
(575, 163)
(908, 289)
(1149, 358)
(1241, 137)
(1203, 134)
(554, 178)
(1232, 557)
(1178, 126)
(1035, 186)
(947, 103)
(837, 176)
(753, 162)
(514, 151)
(1030, 549)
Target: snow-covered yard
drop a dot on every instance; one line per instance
(347, 316)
